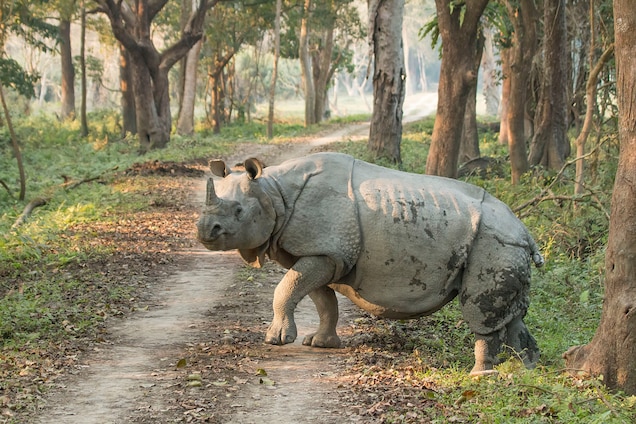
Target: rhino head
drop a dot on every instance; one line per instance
(238, 213)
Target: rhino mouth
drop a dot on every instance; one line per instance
(216, 244)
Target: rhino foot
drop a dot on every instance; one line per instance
(322, 340)
(483, 373)
(280, 334)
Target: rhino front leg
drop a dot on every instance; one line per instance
(305, 276)
(327, 306)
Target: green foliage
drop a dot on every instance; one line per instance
(21, 19)
(12, 75)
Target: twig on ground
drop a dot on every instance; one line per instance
(28, 209)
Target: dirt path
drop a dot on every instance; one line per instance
(196, 353)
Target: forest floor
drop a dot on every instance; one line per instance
(191, 349)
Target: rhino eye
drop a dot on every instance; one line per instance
(238, 211)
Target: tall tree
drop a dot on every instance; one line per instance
(523, 45)
(307, 82)
(389, 74)
(612, 351)
(272, 87)
(82, 58)
(67, 69)
(550, 145)
(228, 29)
(321, 59)
(458, 23)
(131, 24)
(129, 116)
(188, 88)
(469, 146)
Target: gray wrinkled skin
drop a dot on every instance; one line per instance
(398, 245)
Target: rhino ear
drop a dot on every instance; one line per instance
(218, 168)
(254, 168)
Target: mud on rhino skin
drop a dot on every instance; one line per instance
(399, 245)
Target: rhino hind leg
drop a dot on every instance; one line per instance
(494, 299)
(521, 342)
(514, 340)
(327, 306)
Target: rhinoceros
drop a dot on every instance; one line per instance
(399, 245)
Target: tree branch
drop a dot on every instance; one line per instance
(192, 33)
(546, 193)
(41, 201)
(28, 209)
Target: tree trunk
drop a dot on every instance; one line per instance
(504, 132)
(469, 146)
(129, 116)
(550, 145)
(489, 74)
(385, 133)
(188, 77)
(132, 28)
(185, 122)
(68, 71)
(272, 87)
(522, 51)
(322, 72)
(307, 81)
(612, 351)
(458, 30)
(83, 116)
(152, 107)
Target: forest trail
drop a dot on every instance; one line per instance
(195, 354)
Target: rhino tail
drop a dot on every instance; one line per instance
(537, 257)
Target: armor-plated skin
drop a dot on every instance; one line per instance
(398, 245)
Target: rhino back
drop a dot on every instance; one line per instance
(416, 235)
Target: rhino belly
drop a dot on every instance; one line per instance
(400, 289)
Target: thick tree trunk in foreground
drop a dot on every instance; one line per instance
(612, 351)
(458, 29)
(385, 133)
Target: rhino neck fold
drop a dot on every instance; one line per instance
(283, 207)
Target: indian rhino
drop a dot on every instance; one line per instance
(399, 245)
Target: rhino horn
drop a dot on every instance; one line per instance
(211, 198)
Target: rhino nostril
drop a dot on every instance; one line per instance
(216, 231)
